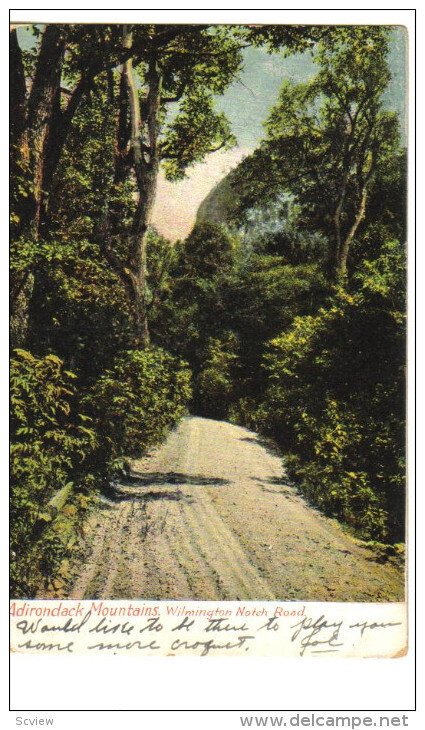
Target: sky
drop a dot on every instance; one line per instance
(247, 103)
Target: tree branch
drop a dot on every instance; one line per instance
(178, 95)
(164, 37)
(205, 54)
(215, 149)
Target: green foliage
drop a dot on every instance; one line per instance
(328, 139)
(216, 381)
(336, 395)
(196, 131)
(275, 229)
(199, 65)
(294, 39)
(136, 401)
(199, 277)
(208, 253)
(219, 286)
(50, 442)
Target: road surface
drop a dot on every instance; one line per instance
(209, 515)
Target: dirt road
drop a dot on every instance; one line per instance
(209, 515)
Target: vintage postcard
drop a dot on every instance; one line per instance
(208, 328)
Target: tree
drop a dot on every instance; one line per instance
(46, 90)
(184, 66)
(195, 308)
(328, 139)
(47, 87)
(336, 398)
(161, 83)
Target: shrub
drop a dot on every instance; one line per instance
(327, 464)
(215, 385)
(336, 398)
(49, 443)
(136, 401)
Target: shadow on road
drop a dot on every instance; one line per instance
(115, 493)
(266, 443)
(286, 488)
(279, 481)
(159, 478)
(134, 486)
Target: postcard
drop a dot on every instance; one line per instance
(209, 238)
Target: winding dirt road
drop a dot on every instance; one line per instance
(209, 515)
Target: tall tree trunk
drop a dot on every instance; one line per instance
(337, 219)
(346, 243)
(146, 168)
(33, 123)
(39, 131)
(18, 141)
(337, 223)
(365, 169)
(43, 119)
(43, 112)
(18, 95)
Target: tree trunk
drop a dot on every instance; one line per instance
(345, 247)
(43, 111)
(146, 168)
(31, 131)
(18, 95)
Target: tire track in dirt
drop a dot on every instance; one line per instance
(238, 579)
(209, 515)
(100, 526)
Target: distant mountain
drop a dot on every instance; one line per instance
(220, 203)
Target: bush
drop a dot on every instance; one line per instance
(135, 402)
(49, 443)
(215, 384)
(336, 397)
(327, 463)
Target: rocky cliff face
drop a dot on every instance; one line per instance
(220, 204)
